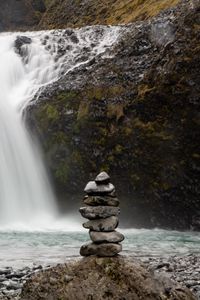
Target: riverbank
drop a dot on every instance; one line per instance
(184, 270)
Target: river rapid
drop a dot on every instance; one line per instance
(26, 248)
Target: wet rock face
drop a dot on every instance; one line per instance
(20, 42)
(67, 13)
(20, 15)
(102, 278)
(135, 115)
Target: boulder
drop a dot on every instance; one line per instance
(93, 188)
(99, 212)
(100, 200)
(106, 237)
(20, 41)
(102, 250)
(105, 225)
(102, 278)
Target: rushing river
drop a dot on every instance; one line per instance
(19, 249)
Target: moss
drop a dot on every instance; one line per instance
(62, 172)
(66, 96)
(59, 138)
(38, 15)
(144, 89)
(51, 112)
(47, 114)
(119, 149)
(105, 167)
(95, 93)
(48, 2)
(77, 158)
(196, 155)
(98, 12)
(135, 178)
(83, 110)
(115, 110)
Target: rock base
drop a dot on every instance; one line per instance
(101, 278)
(102, 250)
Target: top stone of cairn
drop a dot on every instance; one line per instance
(100, 186)
(92, 188)
(102, 178)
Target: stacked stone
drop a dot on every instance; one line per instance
(102, 210)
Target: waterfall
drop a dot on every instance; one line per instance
(26, 196)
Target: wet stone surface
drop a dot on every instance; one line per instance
(12, 281)
(183, 269)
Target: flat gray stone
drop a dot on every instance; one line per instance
(103, 177)
(99, 212)
(102, 250)
(105, 225)
(106, 237)
(93, 188)
(101, 200)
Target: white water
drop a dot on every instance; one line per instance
(26, 196)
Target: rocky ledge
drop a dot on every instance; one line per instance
(102, 278)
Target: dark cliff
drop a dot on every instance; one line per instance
(68, 13)
(20, 15)
(135, 115)
(48, 14)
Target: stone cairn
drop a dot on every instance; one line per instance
(102, 210)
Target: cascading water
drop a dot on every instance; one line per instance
(26, 197)
(25, 193)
